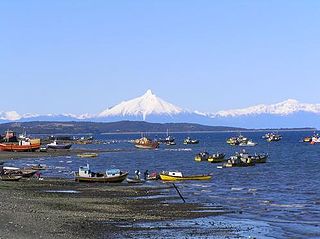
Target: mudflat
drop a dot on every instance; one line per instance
(62, 208)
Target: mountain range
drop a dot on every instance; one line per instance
(151, 108)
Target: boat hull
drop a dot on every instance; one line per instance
(115, 179)
(151, 146)
(19, 148)
(59, 146)
(165, 177)
(10, 178)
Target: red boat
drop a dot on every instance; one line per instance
(21, 146)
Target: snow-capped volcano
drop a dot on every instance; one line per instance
(147, 104)
(284, 108)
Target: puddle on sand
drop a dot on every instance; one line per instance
(61, 191)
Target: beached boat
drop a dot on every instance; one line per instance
(55, 145)
(178, 176)
(24, 172)
(216, 158)
(145, 143)
(10, 177)
(110, 176)
(21, 145)
(87, 155)
(135, 180)
(188, 140)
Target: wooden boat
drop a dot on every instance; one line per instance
(188, 140)
(88, 155)
(135, 180)
(178, 176)
(55, 145)
(216, 158)
(110, 176)
(10, 177)
(38, 167)
(145, 143)
(24, 172)
(21, 146)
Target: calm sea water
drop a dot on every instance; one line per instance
(282, 195)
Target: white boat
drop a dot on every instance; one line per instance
(249, 143)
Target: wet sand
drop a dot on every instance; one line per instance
(5, 155)
(60, 208)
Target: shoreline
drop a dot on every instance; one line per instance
(7, 155)
(60, 208)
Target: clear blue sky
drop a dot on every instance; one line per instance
(83, 56)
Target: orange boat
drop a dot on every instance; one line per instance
(21, 146)
(145, 143)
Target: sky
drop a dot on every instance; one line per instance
(81, 56)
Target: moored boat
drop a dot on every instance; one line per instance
(272, 137)
(188, 140)
(110, 176)
(203, 156)
(145, 143)
(216, 158)
(248, 143)
(178, 176)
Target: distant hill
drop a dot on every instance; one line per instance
(75, 127)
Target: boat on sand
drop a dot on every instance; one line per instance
(110, 176)
(55, 145)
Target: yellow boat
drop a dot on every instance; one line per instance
(87, 155)
(178, 176)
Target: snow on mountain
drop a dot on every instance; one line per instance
(147, 104)
(284, 108)
(10, 115)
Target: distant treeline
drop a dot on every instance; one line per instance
(45, 127)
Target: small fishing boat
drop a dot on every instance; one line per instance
(259, 158)
(203, 156)
(110, 176)
(88, 155)
(55, 145)
(167, 140)
(145, 143)
(272, 137)
(178, 176)
(10, 177)
(188, 140)
(135, 180)
(237, 140)
(239, 160)
(216, 158)
(39, 167)
(248, 143)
